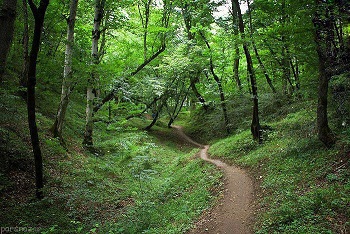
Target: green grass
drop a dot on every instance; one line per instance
(149, 182)
(132, 182)
(304, 187)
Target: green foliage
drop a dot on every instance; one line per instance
(148, 182)
(302, 189)
(131, 177)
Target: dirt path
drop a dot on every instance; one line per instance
(233, 213)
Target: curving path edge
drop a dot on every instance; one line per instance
(234, 212)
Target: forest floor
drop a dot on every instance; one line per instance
(234, 211)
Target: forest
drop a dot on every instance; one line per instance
(151, 116)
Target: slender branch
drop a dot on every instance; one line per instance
(147, 107)
(146, 62)
(33, 7)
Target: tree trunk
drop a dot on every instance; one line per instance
(297, 80)
(155, 117)
(262, 66)
(323, 37)
(24, 75)
(295, 70)
(188, 21)
(190, 36)
(236, 67)
(39, 15)
(67, 72)
(200, 98)
(91, 92)
(178, 107)
(286, 70)
(218, 82)
(324, 132)
(7, 21)
(255, 126)
(145, 22)
(236, 59)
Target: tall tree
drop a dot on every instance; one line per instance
(324, 35)
(67, 72)
(186, 11)
(262, 66)
(39, 16)
(92, 92)
(7, 21)
(219, 84)
(24, 75)
(145, 22)
(167, 10)
(234, 15)
(255, 125)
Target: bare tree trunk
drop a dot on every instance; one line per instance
(7, 21)
(200, 98)
(24, 75)
(323, 39)
(236, 67)
(295, 70)
(236, 59)
(155, 117)
(297, 80)
(39, 15)
(154, 121)
(255, 126)
(67, 72)
(286, 77)
(324, 132)
(91, 92)
(286, 69)
(178, 107)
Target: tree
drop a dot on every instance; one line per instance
(39, 16)
(218, 82)
(24, 75)
(92, 91)
(187, 10)
(324, 26)
(7, 20)
(145, 22)
(262, 66)
(67, 72)
(167, 9)
(255, 126)
(234, 15)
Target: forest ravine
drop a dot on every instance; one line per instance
(90, 91)
(234, 211)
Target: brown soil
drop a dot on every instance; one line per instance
(234, 212)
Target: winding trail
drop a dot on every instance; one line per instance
(234, 212)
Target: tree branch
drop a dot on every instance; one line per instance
(146, 62)
(33, 7)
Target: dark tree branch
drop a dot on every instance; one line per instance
(145, 63)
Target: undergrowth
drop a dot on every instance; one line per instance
(304, 187)
(131, 182)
